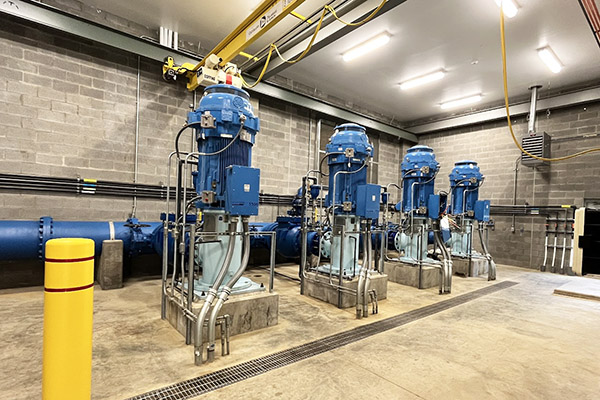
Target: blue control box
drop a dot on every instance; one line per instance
(368, 198)
(436, 204)
(242, 186)
(482, 210)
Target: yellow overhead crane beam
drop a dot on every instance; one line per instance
(263, 18)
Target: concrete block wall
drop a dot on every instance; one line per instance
(567, 182)
(68, 109)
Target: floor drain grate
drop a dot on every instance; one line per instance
(230, 375)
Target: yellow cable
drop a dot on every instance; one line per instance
(367, 19)
(262, 73)
(510, 127)
(310, 44)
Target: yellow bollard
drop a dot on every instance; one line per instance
(68, 313)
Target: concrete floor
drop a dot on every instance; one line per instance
(521, 342)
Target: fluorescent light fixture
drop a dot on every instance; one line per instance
(509, 7)
(423, 79)
(365, 47)
(461, 102)
(550, 59)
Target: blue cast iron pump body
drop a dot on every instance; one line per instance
(351, 199)
(227, 186)
(289, 235)
(465, 207)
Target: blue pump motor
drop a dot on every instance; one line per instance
(226, 180)
(419, 169)
(465, 180)
(349, 149)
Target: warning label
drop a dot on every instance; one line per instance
(267, 17)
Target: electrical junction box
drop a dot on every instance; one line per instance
(436, 204)
(368, 198)
(242, 185)
(482, 210)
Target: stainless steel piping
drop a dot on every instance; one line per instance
(165, 255)
(517, 161)
(488, 256)
(212, 293)
(225, 292)
(137, 137)
(533, 108)
(367, 281)
(362, 275)
(341, 270)
(190, 280)
(446, 285)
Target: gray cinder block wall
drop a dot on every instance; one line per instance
(566, 182)
(67, 109)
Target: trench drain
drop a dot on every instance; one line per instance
(230, 375)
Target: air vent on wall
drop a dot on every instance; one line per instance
(537, 144)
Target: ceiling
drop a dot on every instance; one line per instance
(460, 36)
(463, 37)
(199, 21)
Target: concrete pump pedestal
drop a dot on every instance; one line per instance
(317, 285)
(479, 266)
(408, 274)
(248, 312)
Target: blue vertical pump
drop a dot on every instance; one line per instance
(465, 180)
(226, 184)
(419, 169)
(351, 199)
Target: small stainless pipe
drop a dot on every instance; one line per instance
(419, 258)
(137, 137)
(367, 281)
(382, 250)
(190, 280)
(533, 108)
(303, 233)
(318, 143)
(362, 276)
(165, 255)
(212, 294)
(225, 292)
(446, 285)
(488, 256)
(341, 271)
(442, 267)
(272, 261)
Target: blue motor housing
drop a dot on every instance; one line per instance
(217, 121)
(349, 149)
(465, 180)
(419, 168)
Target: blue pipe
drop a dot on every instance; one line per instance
(27, 239)
(288, 234)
